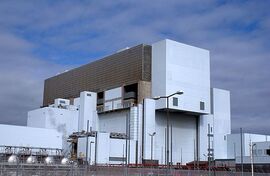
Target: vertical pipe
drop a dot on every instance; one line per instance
(194, 163)
(87, 140)
(151, 148)
(90, 153)
(165, 146)
(171, 144)
(241, 144)
(234, 152)
(123, 156)
(143, 111)
(209, 159)
(96, 148)
(136, 152)
(251, 158)
(168, 152)
(126, 138)
(181, 157)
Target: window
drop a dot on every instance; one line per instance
(224, 137)
(175, 101)
(89, 95)
(268, 151)
(62, 102)
(201, 105)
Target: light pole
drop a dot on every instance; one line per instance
(90, 152)
(152, 135)
(251, 157)
(167, 106)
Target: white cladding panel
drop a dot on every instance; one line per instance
(113, 93)
(103, 147)
(149, 126)
(118, 151)
(82, 149)
(63, 120)
(134, 118)
(37, 118)
(113, 121)
(30, 137)
(234, 143)
(204, 120)
(222, 121)
(87, 111)
(184, 136)
(177, 66)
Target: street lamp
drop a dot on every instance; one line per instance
(251, 157)
(167, 105)
(90, 152)
(152, 135)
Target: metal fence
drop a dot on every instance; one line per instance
(7, 169)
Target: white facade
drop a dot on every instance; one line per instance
(234, 143)
(176, 66)
(260, 155)
(221, 123)
(20, 136)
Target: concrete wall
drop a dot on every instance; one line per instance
(108, 150)
(184, 136)
(88, 111)
(12, 135)
(234, 143)
(204, 120)
(149, 127)
(177, 66)
(63, 120)
(113, 121)
(222, 121)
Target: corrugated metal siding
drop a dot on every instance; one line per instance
(126, 67)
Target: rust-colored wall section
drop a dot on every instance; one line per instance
(122, 68)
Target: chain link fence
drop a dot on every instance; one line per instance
(7, 169)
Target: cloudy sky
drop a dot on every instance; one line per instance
(38, 39)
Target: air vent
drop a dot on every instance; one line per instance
(202, 105)
(175, 101)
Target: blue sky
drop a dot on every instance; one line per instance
(39, 39)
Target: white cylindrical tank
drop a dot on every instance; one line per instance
(49, 160)
(13, 159)
(31, 160)
(65, 161)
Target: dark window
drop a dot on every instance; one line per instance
(89, 95)
(268, 151)
(201, 105)
(175, 101)
(62, 102)
(224, 138)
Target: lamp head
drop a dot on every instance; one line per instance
(179, 92)
(156, 98)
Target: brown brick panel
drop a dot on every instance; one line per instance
(121, 68)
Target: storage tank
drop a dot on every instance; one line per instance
(13, 159)
(31, 160)
(65, 161)
(49, 160)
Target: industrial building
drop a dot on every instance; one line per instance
(144, 103)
